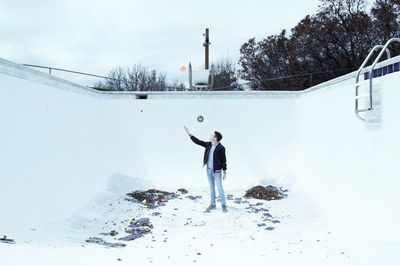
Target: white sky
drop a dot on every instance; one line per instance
(95, 36)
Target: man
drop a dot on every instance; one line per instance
(215, 159)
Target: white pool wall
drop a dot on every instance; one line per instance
(62, 142)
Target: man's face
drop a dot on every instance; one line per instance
(213, 138)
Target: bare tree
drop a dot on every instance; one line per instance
(135, 78)
(225, 75)
(177, 86)
(386, 20)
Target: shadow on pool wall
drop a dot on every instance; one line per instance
(61, 142)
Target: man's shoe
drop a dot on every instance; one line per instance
(224, 208)
(211, 207)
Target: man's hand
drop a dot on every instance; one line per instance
(223, 175)
(187, 130)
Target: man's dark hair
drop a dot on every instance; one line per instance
(218, 135)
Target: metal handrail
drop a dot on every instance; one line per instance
(384, 48)
(376, 47)
(374, 64)
(70, 71)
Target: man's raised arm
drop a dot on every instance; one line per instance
(196, 140)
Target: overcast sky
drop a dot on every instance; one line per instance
(95, 36)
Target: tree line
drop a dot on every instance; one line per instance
(332, 42)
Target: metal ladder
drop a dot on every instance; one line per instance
(369, 95)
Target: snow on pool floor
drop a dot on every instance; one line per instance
(183, 234)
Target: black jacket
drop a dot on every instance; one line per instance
(219, 161)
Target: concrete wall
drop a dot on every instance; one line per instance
(59, 147)
(350, 167)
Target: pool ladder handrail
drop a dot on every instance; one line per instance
(358, 111)
(384, 48)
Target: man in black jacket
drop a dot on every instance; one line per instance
(215, 159)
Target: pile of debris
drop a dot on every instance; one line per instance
(183, 191)
(137, 228)
(6, 240)
(152, 198)
(100, 241)
(266, 193)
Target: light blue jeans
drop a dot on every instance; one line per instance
(215, 178)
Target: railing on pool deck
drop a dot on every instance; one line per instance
(68, 71)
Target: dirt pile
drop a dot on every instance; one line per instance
(152, 198)
(266, 193)
(183, 191)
